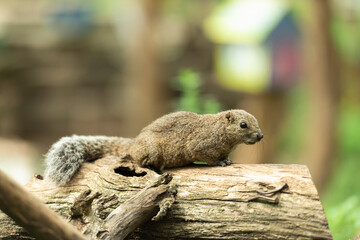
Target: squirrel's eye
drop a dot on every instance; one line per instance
(243, 125)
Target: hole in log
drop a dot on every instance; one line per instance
(125, 171)
(38, 176)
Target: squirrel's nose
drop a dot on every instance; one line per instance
(260, 135)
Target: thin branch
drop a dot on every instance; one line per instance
(28, 212)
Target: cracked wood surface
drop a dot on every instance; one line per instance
(215, 201)
(211, 203)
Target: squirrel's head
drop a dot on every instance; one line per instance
(242, 127)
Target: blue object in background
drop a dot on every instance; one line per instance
(72, 19)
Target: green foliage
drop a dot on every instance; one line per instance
(189, 83)
(346, 38)
(344, 218)
(349, 130)
(342, 199)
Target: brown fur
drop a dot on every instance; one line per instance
(180, 138)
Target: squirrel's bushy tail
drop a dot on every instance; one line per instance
(67, 155)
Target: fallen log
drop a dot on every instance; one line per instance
(233, 202)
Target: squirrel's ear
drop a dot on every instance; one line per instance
(230, 117)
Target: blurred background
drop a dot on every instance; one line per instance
(111, 67)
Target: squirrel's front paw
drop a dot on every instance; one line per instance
(225, 162)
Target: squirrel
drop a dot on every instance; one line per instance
(173, 140)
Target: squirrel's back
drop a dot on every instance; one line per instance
(67, 155)
(180, 138)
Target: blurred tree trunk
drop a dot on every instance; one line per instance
(323, 84)
(145, 88)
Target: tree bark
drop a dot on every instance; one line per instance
(211, 202)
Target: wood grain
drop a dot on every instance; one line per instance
(211, 202)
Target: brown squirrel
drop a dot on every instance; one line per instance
(174, 140)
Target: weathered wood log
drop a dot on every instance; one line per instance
(117, 225)
(211, 203)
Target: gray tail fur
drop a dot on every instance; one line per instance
(67, 155)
